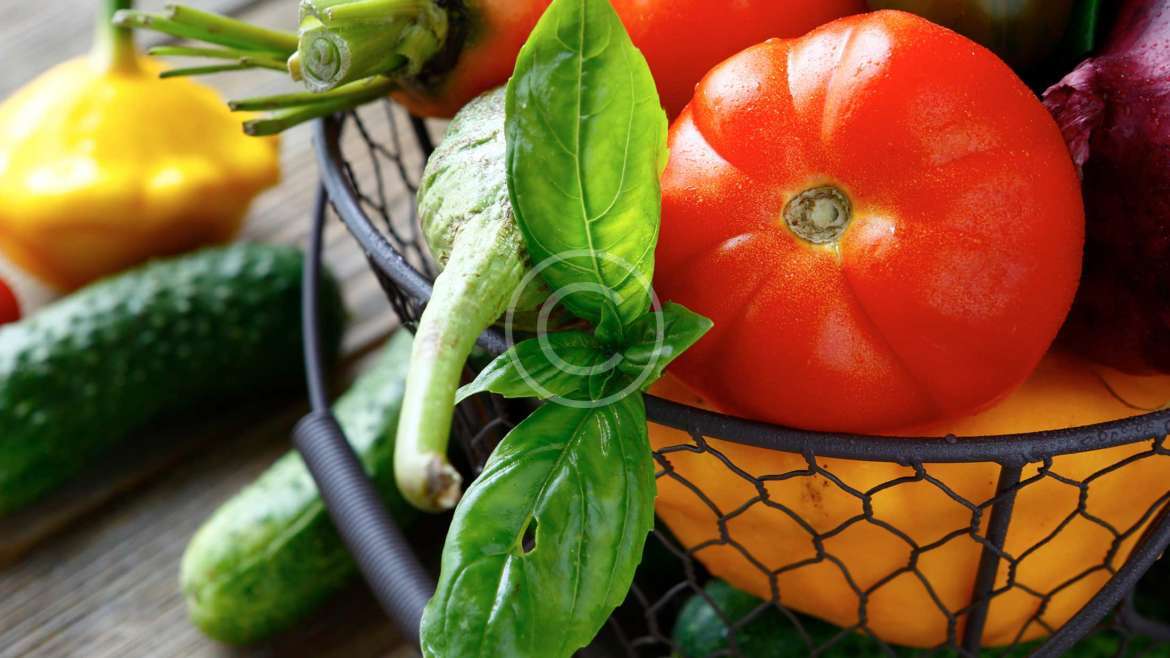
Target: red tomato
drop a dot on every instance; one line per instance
(9, 307)
(882, 221)
(682, 40)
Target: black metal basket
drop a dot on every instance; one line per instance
(964, 553)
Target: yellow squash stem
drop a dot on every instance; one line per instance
(113, 47)
(484, 269)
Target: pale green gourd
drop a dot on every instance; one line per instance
(467, 220)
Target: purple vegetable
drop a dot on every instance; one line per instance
(1114, 110)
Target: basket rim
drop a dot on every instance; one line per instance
(1008, 449)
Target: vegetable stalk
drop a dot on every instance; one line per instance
(241, 58)
(113, 48)
(187, 23)
(349, 46)
(292, 109)
(346, 40)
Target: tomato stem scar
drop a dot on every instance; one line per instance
(819, 215)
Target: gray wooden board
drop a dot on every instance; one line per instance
(93, 571)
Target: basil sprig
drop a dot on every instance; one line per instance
(545, 542)
(586, 139)
(575, 366)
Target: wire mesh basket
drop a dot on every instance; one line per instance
(1011, 545)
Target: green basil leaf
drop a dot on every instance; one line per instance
(544, 544)
(552, 366)
(656, 339)
(586, 143)
(610, 329)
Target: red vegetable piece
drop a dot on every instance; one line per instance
(880, 218)
(9, 305)
(1114, 111)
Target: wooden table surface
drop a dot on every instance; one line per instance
(94, 572)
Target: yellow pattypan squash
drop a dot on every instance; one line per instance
(104, 165)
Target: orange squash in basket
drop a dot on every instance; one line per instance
(917, 597)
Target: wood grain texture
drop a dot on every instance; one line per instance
(94, 571)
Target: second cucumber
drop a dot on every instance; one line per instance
(271, 555)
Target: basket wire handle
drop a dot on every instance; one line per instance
(396, 577)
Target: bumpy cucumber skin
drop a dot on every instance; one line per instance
(168, 338)
(270, 555)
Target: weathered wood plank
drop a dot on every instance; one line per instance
(41, 34)
(102, 581)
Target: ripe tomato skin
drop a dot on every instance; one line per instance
(683, 39)
(956, 271)
(9, 307)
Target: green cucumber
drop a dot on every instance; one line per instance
(168, 338)
(271, 555)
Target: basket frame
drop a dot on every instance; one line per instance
(1011, 453)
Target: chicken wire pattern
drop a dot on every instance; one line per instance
(381, 152)
(985, 524)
